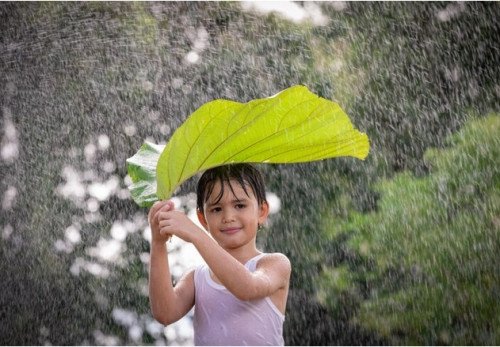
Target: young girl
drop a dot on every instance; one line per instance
(240, 294)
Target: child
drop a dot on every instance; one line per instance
(240, 294)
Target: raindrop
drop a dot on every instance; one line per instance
(147, 86)
(78, 263)
(7, 231)
(193, 57)
(170, 333)
(144, 257)
(338, 6)
(103, 142)
(107, 250)
(92, 205)
(130, 129)
(118, 232)
(154, 328)
(164, 129)
(62, 246)
(89, 175)
(451, 11)
(124, 317)
(72, 234)
(108, 166)
(135, 333)
(102, 191)
(90, 151)
(201, 41)
(10, 151)
(9, 198)
(10, 143)
(96, 269)
(289, 10)
(274, 202)
(105, 340)
(154, 115)
(44, 331)
(146, 234)
(177, 83)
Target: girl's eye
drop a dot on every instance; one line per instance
(239, 206)
(216, 209)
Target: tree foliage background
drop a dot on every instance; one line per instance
(399, 249)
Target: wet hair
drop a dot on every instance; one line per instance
(245, 174)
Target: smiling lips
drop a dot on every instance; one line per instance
(230, 231)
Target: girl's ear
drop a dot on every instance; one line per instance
(201, 218)
(263, 212)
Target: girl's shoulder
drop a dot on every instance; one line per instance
(275, 259)
(275, 255)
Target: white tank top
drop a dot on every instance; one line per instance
(220, 319)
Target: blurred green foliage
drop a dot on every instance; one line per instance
(433, 246)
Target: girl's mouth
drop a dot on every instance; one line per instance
(230, 231)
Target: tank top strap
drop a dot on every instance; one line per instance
(252, 263)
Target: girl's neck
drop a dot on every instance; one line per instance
(244, 254)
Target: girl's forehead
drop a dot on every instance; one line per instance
(231, 189)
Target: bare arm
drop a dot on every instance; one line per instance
(168, 304)
(272, 274)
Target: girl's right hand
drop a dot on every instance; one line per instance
(156, 235)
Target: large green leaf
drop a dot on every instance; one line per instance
(290, 127)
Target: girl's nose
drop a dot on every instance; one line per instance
(228, 217)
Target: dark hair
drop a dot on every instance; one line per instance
(244, 174)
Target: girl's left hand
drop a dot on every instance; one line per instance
(177, 223)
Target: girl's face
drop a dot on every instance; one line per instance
(233, 220)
